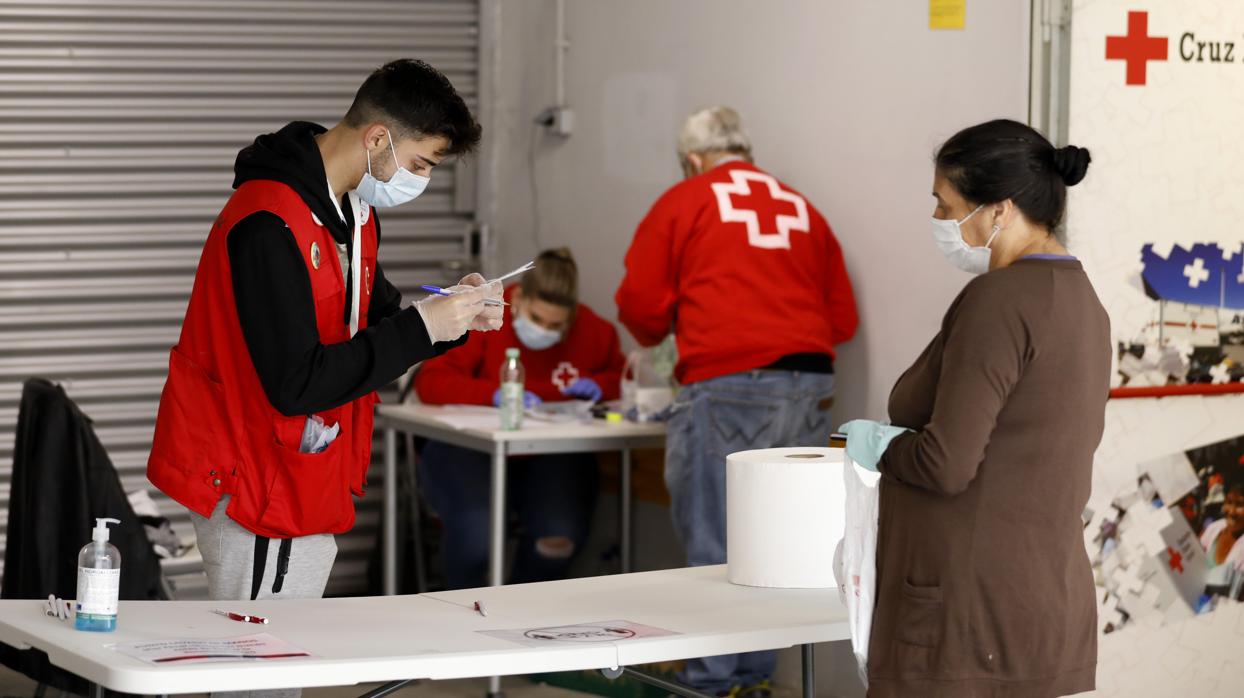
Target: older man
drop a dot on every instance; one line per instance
(749, 277)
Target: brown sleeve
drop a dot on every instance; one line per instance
(986, 347)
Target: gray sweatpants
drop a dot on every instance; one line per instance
(229, 559)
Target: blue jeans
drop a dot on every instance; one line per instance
(552, 497)
(710, 420)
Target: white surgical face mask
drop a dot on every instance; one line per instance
(403, 186)
(533, 336)
(949, 238)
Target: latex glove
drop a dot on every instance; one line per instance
(449, 317)
(530, 399)
(584, 389)
(492, 316)
(867, 441)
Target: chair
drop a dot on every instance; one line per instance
(62, 481)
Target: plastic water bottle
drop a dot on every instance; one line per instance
(99, 582)
(512, 389)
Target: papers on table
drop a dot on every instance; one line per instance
(581, 633)
(261, 647)
(489, 418)
(562, 412)
(470, 417)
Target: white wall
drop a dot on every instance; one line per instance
(845, 101)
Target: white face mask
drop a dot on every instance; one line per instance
(403, 186)
(533, 336)
(949, 238)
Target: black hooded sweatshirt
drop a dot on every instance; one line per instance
(301, 375)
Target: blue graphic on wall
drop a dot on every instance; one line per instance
(1201, 276)
(1196, 333)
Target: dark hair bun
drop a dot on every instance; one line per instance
(1071, 163)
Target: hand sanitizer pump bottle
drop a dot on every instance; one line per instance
(99, 582)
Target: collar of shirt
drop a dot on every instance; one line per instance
(1050, 257)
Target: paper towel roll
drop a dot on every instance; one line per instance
(785, 513)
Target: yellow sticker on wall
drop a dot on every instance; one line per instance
(947, 14)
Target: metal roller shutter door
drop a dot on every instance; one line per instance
(119, 123)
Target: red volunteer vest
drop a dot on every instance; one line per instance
(216, 433)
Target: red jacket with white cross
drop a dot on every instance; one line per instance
(742, 268)
(470, 374)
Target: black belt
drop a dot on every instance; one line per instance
(803, 363)
(261, 562)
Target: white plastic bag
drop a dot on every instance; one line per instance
(647, 386)
(857, 578)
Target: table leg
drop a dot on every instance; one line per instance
(388, 688)
(653, 680)
(809, 670)
(389, 554)
(96, 690)
(625, 505)
(496, 555)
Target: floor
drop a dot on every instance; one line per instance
(15, 685)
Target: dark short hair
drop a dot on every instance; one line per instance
(418, 101)
(1004, 159)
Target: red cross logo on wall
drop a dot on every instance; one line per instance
(565, 375)
(1137, 48)
(766, 199)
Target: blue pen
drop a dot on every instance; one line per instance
(442, 292)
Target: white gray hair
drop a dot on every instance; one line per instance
(714, 129)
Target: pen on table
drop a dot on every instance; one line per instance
(442, 292)
(241, 617)
(479, 608)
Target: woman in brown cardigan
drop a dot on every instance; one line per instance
(983, 583)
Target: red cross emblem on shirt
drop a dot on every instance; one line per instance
(1137, 48)
(768, 200)
(565, 375)
(1176, 561)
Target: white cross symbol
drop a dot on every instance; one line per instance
(565, 375)
(785, 223)
(1196, 272)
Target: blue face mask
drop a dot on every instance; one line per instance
(533, 336)
(403, 186)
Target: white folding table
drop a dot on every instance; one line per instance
(535, 438)
(438, 636)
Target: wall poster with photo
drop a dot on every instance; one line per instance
(1173, 546)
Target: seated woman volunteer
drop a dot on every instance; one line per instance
(569, 352)
(983, 583)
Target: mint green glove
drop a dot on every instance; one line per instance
(867, 441)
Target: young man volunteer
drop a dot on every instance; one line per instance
(265, 424)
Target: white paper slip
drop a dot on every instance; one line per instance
(261, 647)
(581, 633)
(521, 270)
